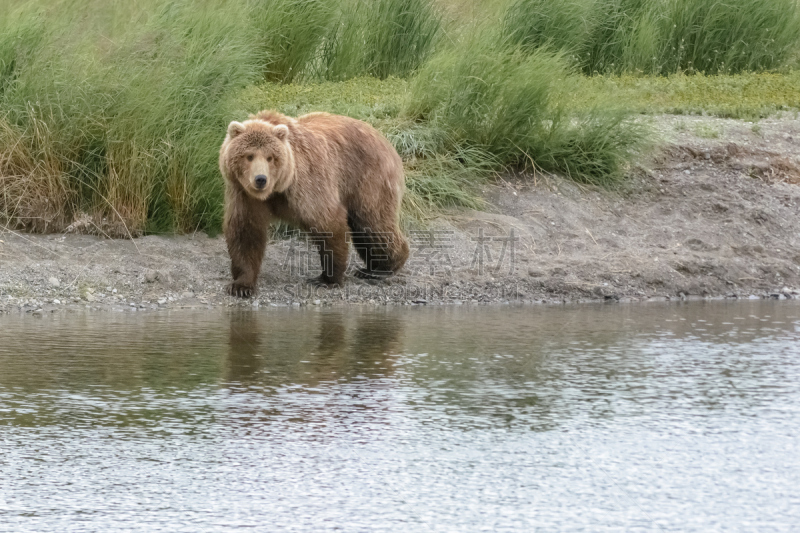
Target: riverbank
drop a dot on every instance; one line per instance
(713, 215)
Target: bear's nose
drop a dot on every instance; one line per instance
(261, 181)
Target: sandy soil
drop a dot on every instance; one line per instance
(713, 215)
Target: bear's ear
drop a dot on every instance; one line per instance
(235, 128)
(281, 132)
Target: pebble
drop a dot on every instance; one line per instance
(54, 282)
(150, 276)
(162, 301)
(57, 302)
(316, 302)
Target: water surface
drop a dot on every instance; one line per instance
(593, 418)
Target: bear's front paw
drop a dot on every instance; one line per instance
(241, 290)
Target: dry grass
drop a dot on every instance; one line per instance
(34, 196)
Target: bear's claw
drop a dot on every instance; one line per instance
(234, 289)
(363, 273)
(319, 281)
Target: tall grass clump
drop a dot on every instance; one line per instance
(292, 32)
(132, 123)
(616, 36)
(598, 35)
(563, 25)
(733, 36)
(163, 132)
(487, 96)
(33, 192)
(499, 99)
(439, 172)
(380, 38)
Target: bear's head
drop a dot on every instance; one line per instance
(256, 156)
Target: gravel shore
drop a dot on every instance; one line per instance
(713, 215)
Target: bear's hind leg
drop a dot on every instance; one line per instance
(333, 251)
(370, 250)
(374, 253)
(384, 251)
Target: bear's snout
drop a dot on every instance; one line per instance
(261, 181)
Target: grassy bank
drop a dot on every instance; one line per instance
(113, 112)
(745, 96)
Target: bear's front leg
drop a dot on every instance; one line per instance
(246, 225)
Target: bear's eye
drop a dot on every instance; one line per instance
(250, 157)
(269, 159)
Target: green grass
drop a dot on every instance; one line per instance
(616, 36)
(364, 98)
(295, 31)
(116, 110)
(500, 100)
(707, 131)
(744, 96)
(379, 38)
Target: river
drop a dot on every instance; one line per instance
(641, 417)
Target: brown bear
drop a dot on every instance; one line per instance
(330, 175)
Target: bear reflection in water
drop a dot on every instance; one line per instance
(343, 346)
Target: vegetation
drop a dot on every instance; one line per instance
(116, 110)
(616, 36)
(746, 96)
(498, 99)
(379, 38)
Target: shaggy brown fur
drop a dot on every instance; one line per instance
(333, 176)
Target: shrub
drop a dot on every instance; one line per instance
(502, 101)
